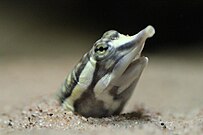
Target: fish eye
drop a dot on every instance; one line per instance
(101, 49)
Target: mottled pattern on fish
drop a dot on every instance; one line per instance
(104, 79)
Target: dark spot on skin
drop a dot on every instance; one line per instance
(89, 106)
(113, 92)
(126, 46)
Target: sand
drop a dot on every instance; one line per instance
(167, 100)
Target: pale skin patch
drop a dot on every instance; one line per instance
(132, 73)
(69, 79)
(69, 102)
(63, 88)
(108, 99)
(102, 85)
(86, 76)
(84, 81)
(68, 105)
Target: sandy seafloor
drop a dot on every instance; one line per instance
(167, 100)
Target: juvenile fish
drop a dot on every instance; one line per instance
(105, 77)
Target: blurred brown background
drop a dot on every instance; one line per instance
(41, 40)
